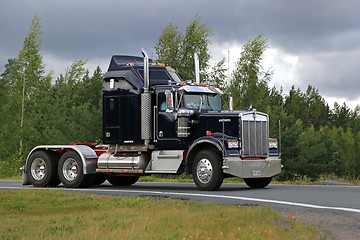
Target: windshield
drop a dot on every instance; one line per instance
(203, 101)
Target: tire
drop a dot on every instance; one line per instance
(206, 170)
(257, 182)
(122, 180)
(71, 171)
(42, 169)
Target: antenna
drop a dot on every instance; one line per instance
(229, 67)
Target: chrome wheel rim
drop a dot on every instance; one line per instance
(204, 170)
(38, 169)
(70, 169)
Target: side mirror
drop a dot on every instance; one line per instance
(169, 101)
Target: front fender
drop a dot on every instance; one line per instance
(204, 143)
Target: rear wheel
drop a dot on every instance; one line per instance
(257, 182)
(206, 170)
(42, 169)
(71, 172)
(122, 180)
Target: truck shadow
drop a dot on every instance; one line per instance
(188, 187)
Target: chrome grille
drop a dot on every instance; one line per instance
(255, 138)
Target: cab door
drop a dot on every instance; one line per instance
(166, 122)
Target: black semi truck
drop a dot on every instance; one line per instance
(156, 123)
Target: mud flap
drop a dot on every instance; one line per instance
(25, 178)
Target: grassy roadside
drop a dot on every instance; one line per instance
(47, 214)
(12, 178)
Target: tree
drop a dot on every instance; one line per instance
(196, 40)
(178, 50)
(340, 115)
(318, 110)
(168, 47)
(24, 85)
(310, 107)
(25, 75)
(314, 158)
(249, 82)
(218, 75)
(75, 106)
(291, 150)
(343, 151)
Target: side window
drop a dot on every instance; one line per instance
(162, 102)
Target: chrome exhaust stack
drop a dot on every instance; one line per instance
(197, 68)
(146, 70)
(146, 104)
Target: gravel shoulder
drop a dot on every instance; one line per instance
(333, 225)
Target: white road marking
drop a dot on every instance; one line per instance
(353, 210)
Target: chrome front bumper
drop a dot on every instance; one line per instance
(257, 168)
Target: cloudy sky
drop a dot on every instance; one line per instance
(310, 42)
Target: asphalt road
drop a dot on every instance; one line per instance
(345, 199)
(333, 208)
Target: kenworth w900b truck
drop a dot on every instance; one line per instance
(156, 123)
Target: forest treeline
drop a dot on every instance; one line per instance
(36, 109)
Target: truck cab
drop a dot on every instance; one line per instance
(156, 123)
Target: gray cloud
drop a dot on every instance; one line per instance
(335, 73)
(325, 34)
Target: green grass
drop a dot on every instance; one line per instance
(12, 178)
(49, 214)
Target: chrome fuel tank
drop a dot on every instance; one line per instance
(111, 161)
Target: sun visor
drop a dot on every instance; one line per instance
(198, 89)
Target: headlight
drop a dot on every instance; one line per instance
(233, 144)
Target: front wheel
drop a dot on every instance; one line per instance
(257, 182)
(206, 170)
(71, 172)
